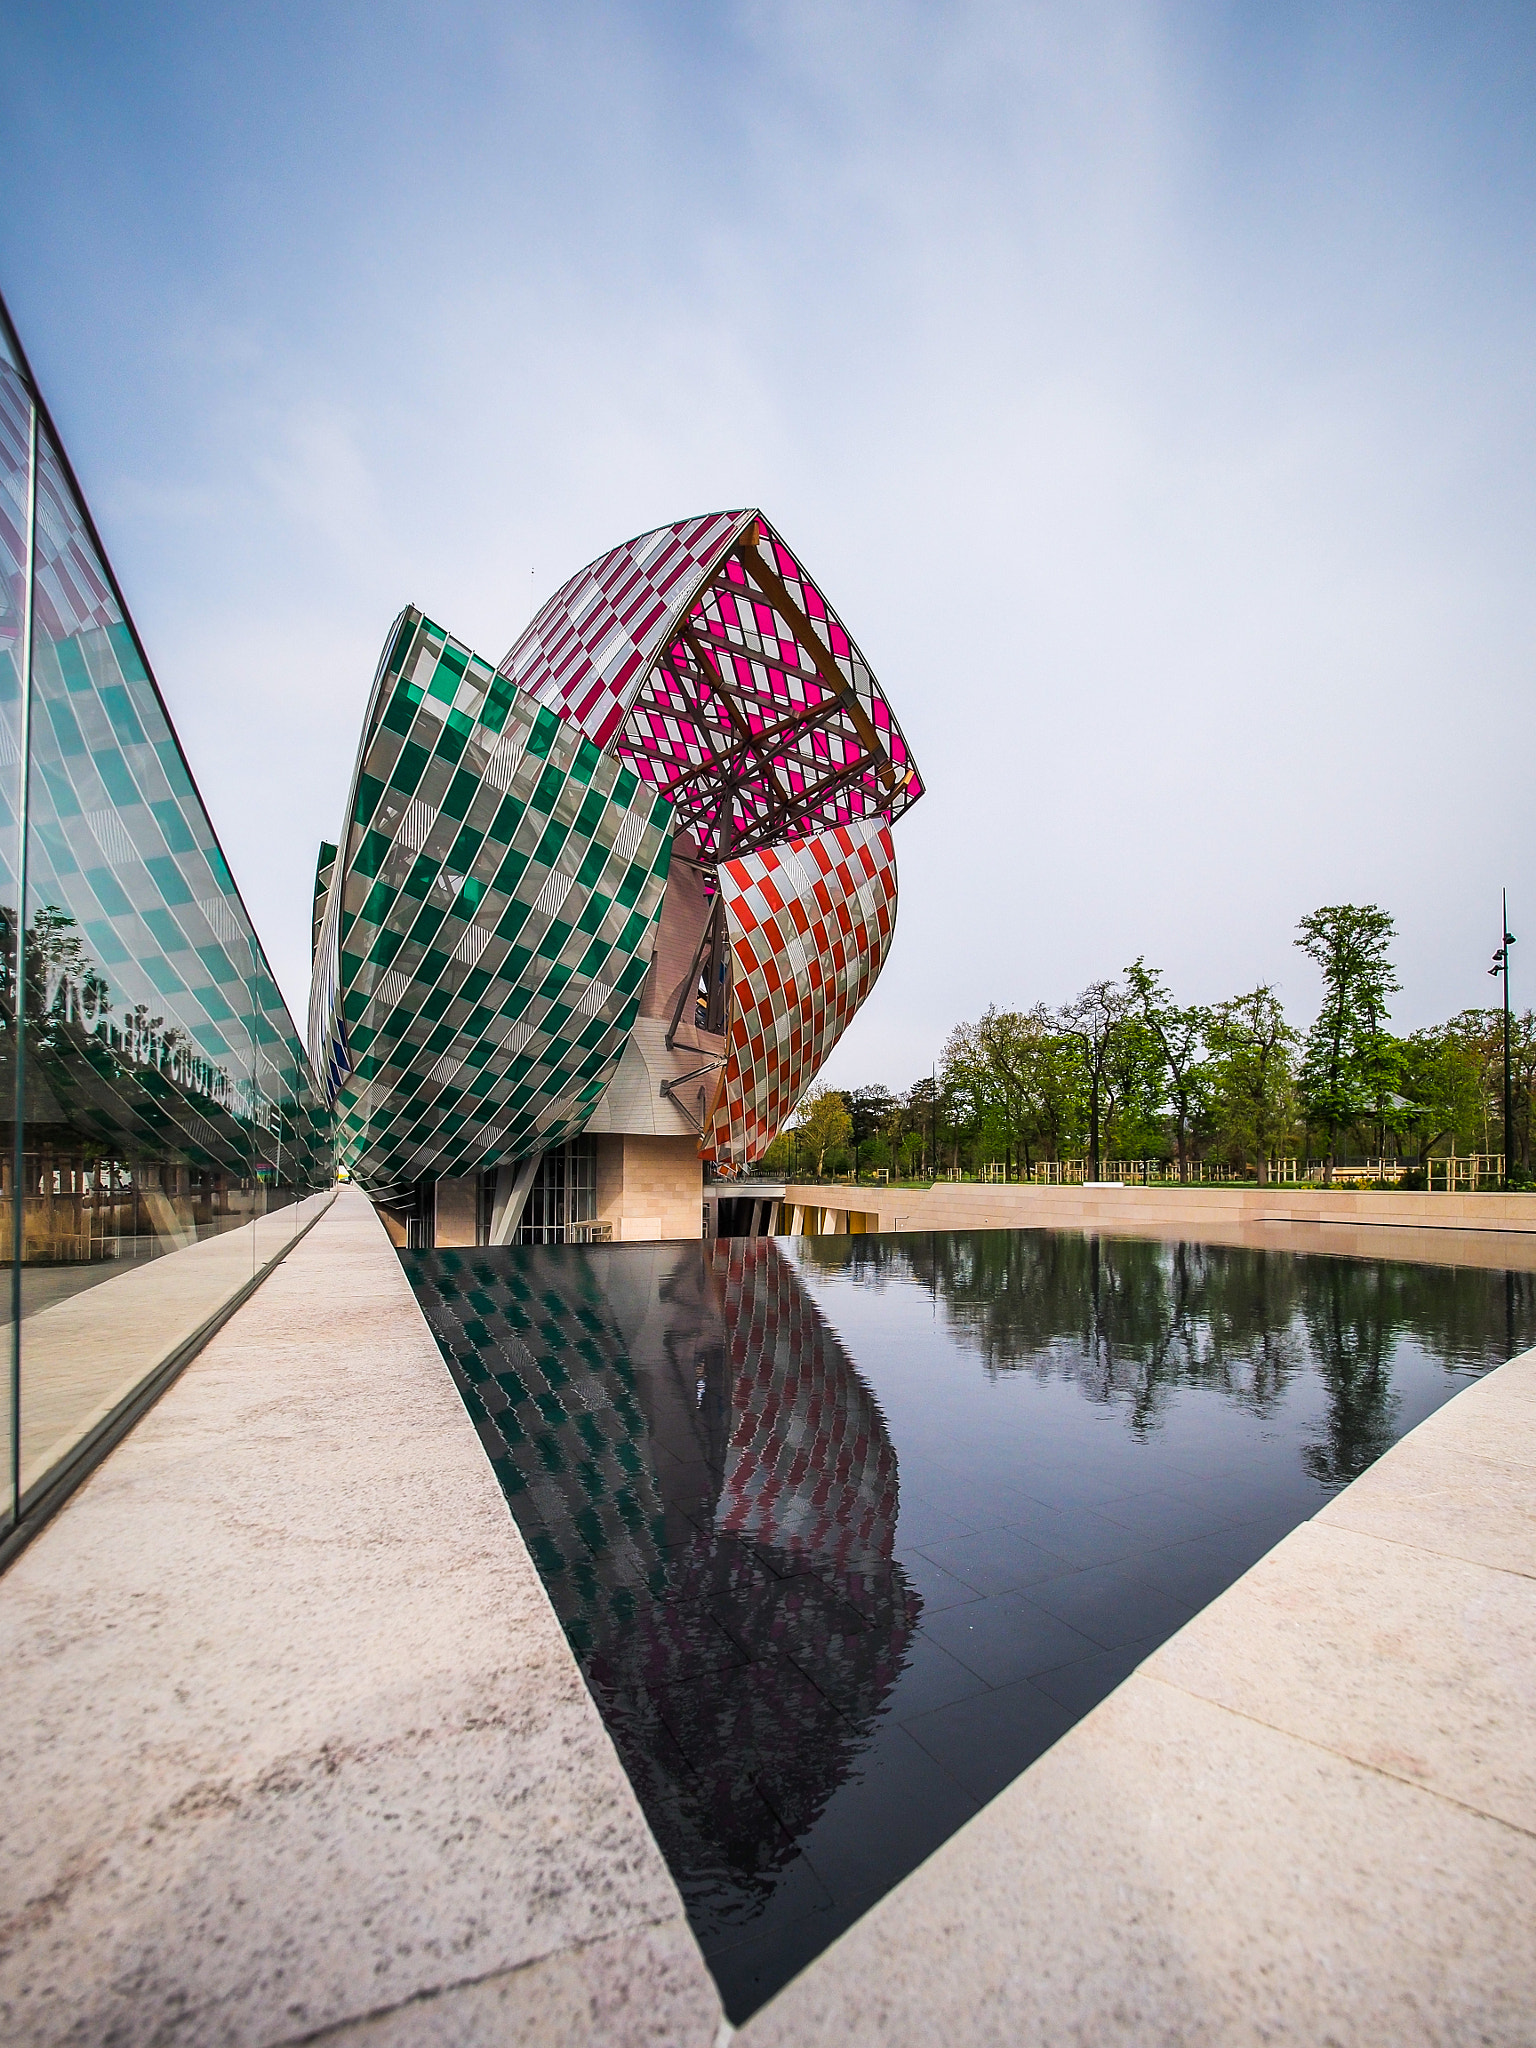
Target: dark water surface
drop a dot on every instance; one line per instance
(846, 1531)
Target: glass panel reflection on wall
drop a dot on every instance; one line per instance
(168, 1132)
(16, 469)
(846, 1531)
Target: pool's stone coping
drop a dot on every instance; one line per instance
(294, 1749)
(1318, 1218)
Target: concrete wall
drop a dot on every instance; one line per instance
(1213, 1213)
(457, 1210)
(650, 1188)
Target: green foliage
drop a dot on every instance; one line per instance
(780, 1156)
(1179, 1038)
(1013, 1085)
(1125, 1071)
(1348, 1068)
(1443, 1083)
(1252, 1074)
(825, 1125)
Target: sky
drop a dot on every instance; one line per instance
(1150, 387)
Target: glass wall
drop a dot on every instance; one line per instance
(161, 1139)
(562, 1203)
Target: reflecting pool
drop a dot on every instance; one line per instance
(846, 1531)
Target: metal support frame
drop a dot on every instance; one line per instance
(711, 956)
(669, 1089)
(738, 800)
(513, 1184)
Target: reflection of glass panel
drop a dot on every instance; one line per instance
(15, 439)
(169, 1130)
(710, 1492)
(700, 1444)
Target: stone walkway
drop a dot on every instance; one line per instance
(292, 1741)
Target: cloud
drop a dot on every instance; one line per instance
(1149, 388)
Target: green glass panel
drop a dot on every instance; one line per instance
(108, 892)
(408, 769)
(369, 790)
(546, 729)
(116, 776)
(66, 728)
(400, 712)
(460, 795)
(166, 930)
(118, 706)
(173, 828)
(548, 848)
(169, 879)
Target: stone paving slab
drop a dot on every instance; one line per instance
(293, 1744)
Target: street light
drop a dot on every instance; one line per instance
(1501, 967)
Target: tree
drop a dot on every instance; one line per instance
(1035, 1074)
(1253, 1077)
(1346, 1070)
(869, 1109)
(1061, 1084)
(1480, 1034)
(780, 1155)
(825, 1125)
(921, 1111)
(1180, 1038)
(1096, 1019)
(1444, 1085)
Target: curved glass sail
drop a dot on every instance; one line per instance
(161, 1129)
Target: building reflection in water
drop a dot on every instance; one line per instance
(814, 1675)
(710, 1493)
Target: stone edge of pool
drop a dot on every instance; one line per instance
(1487, 1229)
(295, 1749)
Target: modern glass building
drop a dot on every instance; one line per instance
(598, 915)
(163, 1140)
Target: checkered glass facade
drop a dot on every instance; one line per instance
(154, 1093)
(810, 926)
(155, 1023)
(484, 931)
(488, 925)
(704, 655)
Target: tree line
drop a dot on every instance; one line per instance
(1126, 1071)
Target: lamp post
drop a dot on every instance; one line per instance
(1499, 968)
